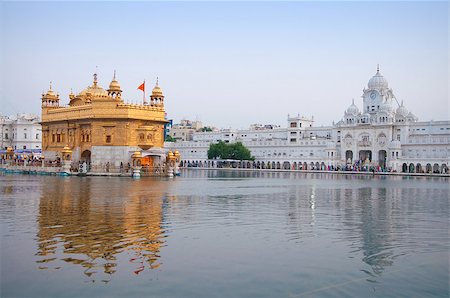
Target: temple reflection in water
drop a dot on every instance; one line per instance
(81, 223)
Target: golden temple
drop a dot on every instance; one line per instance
(100, 128)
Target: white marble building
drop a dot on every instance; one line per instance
(383, 134)
(22, 131)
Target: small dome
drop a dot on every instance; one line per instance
(412, 116)
(402, 111)
(352, 109)
(156, 90)
(378, 81)
(114, 85)
(50, 93)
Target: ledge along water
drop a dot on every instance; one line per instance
(37, 170)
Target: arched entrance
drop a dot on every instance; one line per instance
(349, 156)
(419, 168)
(147, 161)
(411, 168)
(436, 168)
(428, 168)
(365, 155)
(382, 158)
(404, 168)
(86, 156)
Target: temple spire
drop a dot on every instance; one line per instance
(95, 76)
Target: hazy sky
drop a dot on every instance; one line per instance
(229, 64)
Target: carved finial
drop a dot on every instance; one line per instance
(114, 78)
(157, 81)
(50, 85)
(95, 76)
(378, 67)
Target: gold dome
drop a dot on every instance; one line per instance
(50, 93)
(114, 85)
(156, 90)
(95, 90)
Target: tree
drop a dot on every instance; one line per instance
(236, 151)
(205, 128)
(169, 139)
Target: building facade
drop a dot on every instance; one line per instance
(100, 128)
(21, 132)
(383, 135)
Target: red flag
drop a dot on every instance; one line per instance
(142, 87)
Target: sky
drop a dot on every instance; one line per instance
(229, 64)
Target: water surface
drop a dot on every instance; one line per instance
(225, 234)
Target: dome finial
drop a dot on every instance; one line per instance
(353, 101)
(157, 81)
(378, 67)
(114, 78)
(95, 76)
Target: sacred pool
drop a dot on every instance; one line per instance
(225, 234)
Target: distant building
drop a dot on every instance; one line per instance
(379, 135)
(22, 131)
(185, 130)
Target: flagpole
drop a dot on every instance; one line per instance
(143, 99)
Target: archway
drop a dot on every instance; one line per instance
(349, 156)
(365, 155)
(86, 156)
(404, 168)
(147, 161)
(382, 158)
(428, 168)
(294, 166)
(436, 168)
(278, 165)
(444, 169)
(305, 166)
(419, 168)
(411, 168)
(286, 165)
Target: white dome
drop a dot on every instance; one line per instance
(352, 109)
(378, 81)
(402, 111)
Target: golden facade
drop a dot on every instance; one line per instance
(99, 118)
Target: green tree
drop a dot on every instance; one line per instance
(236, 151)
(206, 129)
(169, 139)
